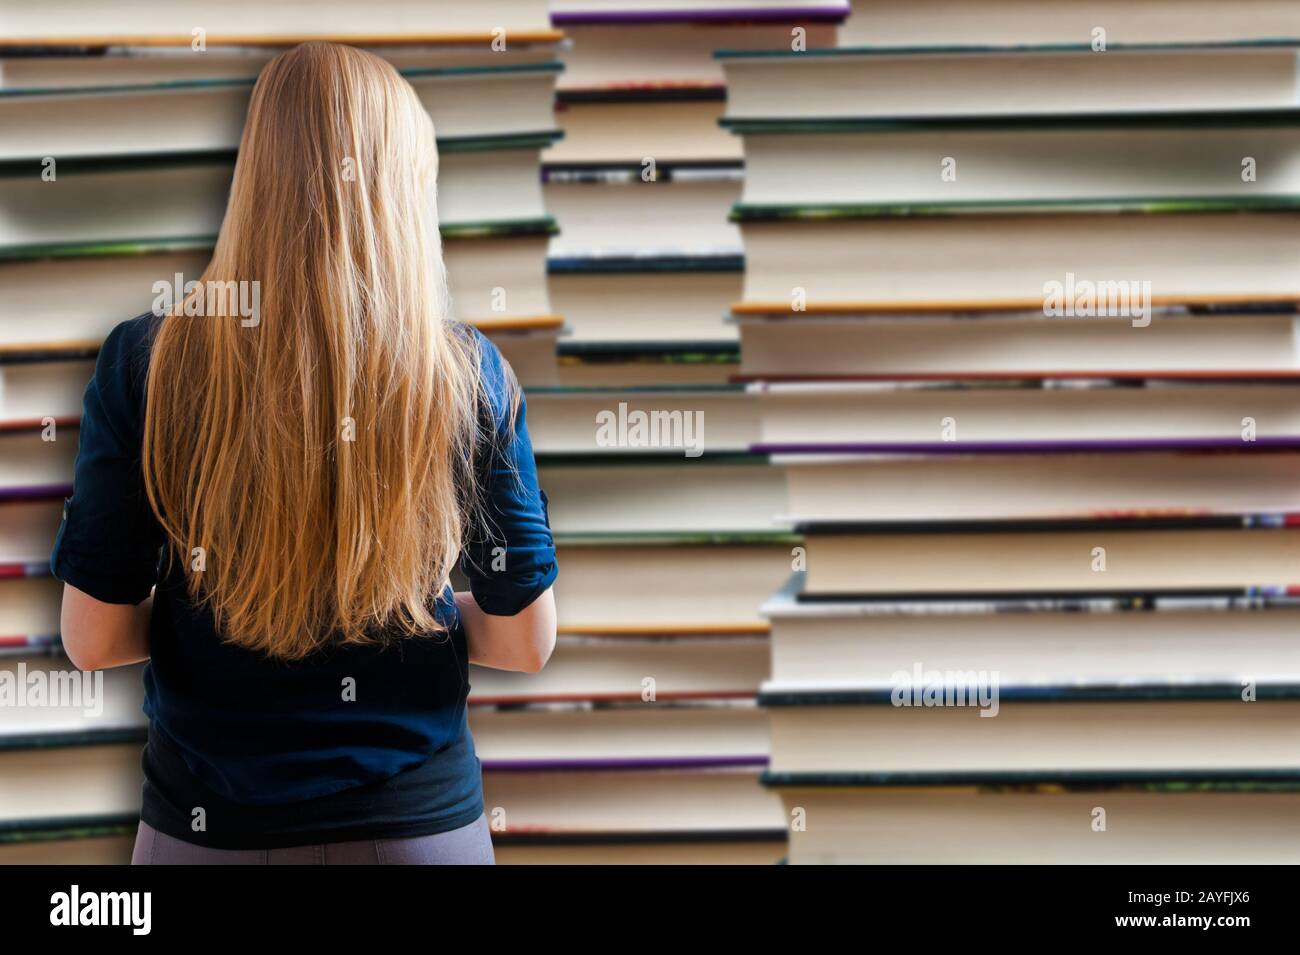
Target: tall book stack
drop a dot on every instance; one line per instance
(642, 741)
(120, 130)
(1020, 310)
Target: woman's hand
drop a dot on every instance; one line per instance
(522, 642)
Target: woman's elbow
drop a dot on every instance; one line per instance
(84, 654)
(538, 642)
(98, 636)
(537, 652)
(81, 651)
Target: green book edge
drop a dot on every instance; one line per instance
(504, 229)
(1162, 119)
(1208, 205)
(128, 162)
(162, 86)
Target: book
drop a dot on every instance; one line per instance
(647, 364)
(641, 12)
(638, 735)
(1089, 640)
(27, 531)
(484, 263)
(975, 486)
(467, 104)
(624, 128)
(1172, 342)
(486, 182)
(630, 804)
(1018, 416)
(968, 78)
(44, 384)
(627, 669)
(67, 304)
(635, 493)
(613, 211)
(1054, 157)
(909, 23)
(249, 23)
(29, 610)
(68, 778)
(104, 841)
(976, 256)
(683, 849)
(583, 419)
(1000, 557)
(1039, 734)
(530, 352)
(106, 701)
(107, 67)
(611, 53)
(661, 584)
(1158, 823)
(646, 299)
(37, 461)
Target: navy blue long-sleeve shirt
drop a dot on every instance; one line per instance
(276, 753)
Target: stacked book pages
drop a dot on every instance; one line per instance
(121, 127)
(1020, 315)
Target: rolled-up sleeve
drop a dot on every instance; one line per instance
(509, 553)
(108, 544)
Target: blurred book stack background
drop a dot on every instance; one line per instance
(1019, 307)
(917, 396)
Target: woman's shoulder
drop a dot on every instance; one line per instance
(122, 368)
(496, 380)
(489, 356)
(131, 339)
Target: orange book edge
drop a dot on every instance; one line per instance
(524, 323)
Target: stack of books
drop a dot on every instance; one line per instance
(646, 261)
(1021, 318)
(642, 741)
(120, 131)
(919, 23)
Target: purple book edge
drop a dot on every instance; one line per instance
(955, 448)
(46, 492)
(664, 762)
(707, 14)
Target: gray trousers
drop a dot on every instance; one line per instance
(469, 845)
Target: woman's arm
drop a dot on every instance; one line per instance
(508, 553)
(521, 642)
(98, 635)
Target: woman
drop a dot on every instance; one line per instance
(267, 507)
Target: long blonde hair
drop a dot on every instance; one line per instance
(320, 453)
